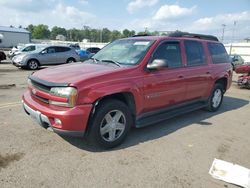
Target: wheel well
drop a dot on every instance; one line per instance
(71, 58)
(223, 82)
(35, 60)
(125, 97)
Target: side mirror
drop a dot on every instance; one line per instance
(43, 52)
(157, 64)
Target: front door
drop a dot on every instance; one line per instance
(165, 87)
(48, 56)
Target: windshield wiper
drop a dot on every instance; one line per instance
(94, 59)
(111, 61)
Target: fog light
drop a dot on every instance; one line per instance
(58, 121)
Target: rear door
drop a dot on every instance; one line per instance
(198, 75)
(62, 54)
(165, 87)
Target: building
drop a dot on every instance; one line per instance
(242, 49)
(12, 36)
(60, 37)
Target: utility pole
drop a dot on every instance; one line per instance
(231, 46)
(223, 31)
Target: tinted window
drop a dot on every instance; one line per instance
(29, 48)
(51, 50)
(195, 53)
(218, 52)
(169, 51)
(93, 50)
(62, 49)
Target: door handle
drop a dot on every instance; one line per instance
(180, 76)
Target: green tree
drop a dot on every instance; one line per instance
(106, 35)
(115, 35)
(126, 33)
(57, 31)
(41, 32)
(30, 28)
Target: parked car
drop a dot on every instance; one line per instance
(132, 82)
(244, 79)
(25, 49)
(75, 46)
(84, 54)
(51, 55)
(93, 50)
(236, 60)
(2, 56)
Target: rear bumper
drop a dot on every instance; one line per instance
(73, 120)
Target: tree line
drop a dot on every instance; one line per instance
(42, 31)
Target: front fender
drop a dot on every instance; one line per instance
(91, 95)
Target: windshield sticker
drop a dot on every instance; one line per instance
(144, 43)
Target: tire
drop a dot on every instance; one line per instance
(71, 60)
(33, 64)
(106, 131)
(216, 98)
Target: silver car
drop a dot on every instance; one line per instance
(50, 55)
(25, 49)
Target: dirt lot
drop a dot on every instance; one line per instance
(175, 153)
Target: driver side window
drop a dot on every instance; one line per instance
(169, 52)
(51, 50)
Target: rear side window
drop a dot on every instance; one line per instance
(169, 51)
(218, 53)
(62, 49)
(195, 53)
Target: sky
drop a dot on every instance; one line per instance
(206, 16)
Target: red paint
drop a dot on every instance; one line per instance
(151, 90)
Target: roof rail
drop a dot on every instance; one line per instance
(192, 35)
(141, 35)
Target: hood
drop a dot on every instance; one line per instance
(74, 72)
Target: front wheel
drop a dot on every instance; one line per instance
(33, 64)
(110, 124)
(215, 98)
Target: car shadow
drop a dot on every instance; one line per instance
(155, 131)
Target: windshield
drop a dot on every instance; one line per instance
(128, 51)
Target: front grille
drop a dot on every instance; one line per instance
(40, 86)
(40, 98)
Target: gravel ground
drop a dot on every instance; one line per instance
(174, 153)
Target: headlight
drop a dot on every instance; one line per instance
(18, 58)
(29, 82)
(69, 93)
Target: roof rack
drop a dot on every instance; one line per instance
(142, 35)
(192, 35)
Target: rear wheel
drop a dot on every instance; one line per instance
(215, 98)
(110, 124)
(33, 64)
(70, 60)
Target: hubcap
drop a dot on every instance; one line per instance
(217, 98)
(112, 125)
(33, 65)
(71, 61)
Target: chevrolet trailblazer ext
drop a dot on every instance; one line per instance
(134, 81)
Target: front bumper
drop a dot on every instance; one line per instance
(73, 120)
(18, 64)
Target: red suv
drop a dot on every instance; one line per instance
(134, 81)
